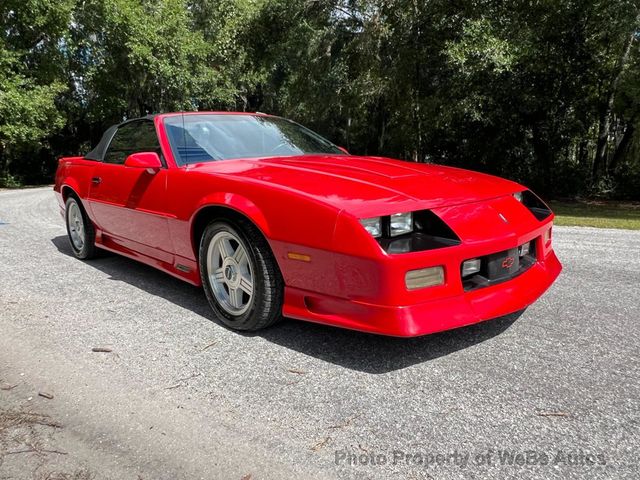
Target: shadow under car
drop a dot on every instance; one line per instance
(350, 349)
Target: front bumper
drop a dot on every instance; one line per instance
(353, 288)
(426, 317)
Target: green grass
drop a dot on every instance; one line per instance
(597, 214)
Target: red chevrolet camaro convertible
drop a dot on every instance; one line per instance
(272, 219)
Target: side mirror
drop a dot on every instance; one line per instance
(344, 150)
(149, 160)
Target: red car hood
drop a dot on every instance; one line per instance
(368, 186)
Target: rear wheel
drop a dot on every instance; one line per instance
(80, 229)
(240, 276)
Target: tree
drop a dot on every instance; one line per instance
(547, 93)
(31, 32)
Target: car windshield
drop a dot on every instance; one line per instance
(211, 137)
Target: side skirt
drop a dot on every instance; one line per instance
(182, 268)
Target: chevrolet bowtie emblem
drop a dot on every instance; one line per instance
(508, 262)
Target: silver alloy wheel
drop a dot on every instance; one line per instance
(230, 273)
(75, 223)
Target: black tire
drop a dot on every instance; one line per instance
(265, 307)
(88, 248)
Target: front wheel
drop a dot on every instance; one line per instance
(240, 277)
(80, 230)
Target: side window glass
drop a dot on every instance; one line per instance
(132, 138)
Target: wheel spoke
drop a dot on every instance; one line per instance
(240, 255)
(218, 275)
(235, 297)
(246, 285)
(225, 248)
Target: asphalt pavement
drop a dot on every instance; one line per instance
(553, 392)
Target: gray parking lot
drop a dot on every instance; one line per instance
(553, 392)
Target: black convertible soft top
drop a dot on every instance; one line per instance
(101, 148)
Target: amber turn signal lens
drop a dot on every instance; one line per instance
(299, 256)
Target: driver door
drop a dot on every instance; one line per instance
(129, 204)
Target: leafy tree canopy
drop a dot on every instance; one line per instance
(544, 92)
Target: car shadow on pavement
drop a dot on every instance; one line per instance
(363, 352)
(377, 354)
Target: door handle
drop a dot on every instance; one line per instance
(96, 180)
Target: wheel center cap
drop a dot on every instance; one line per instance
(230, 273)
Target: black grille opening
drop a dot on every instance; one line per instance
(501, 266)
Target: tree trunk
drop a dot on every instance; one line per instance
(604, 124)
(623, 145)
(543, 154)
(3, 161)
(582, 152)
(382, 136)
